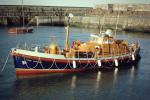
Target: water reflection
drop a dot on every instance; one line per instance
(132, 75)
(50, 86)
(115, 75)
(69, 84)
(73, 86)
(73, 82)
(97, 83)
(98, 78)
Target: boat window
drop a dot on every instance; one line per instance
(107, 41)
(93, 38)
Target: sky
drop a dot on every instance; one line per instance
(75, 3)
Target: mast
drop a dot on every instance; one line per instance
(101, 28)
(117, 21)
(22, 13)
(66, 40)
(67, 31)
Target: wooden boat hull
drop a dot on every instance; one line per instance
(32, 65)
(20, 30)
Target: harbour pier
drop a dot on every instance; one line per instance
(131, 17)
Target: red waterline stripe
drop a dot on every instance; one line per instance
(20, 71)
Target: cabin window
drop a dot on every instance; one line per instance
(93, 39)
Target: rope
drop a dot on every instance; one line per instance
(56, 64)
(96, 63)
(5, 63)
(81, 64)
(67, 64)
(41, 64)
(90, 62)
(111, 64)
(72, 64)
(51, 65)
(37, 63)
(128, 59)
(85, 65)
(30, 67)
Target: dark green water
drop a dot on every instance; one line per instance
(132, 83)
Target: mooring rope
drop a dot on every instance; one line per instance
(5, 62)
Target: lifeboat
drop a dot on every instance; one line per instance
(100, 51)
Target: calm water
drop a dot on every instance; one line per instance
(132, 83)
